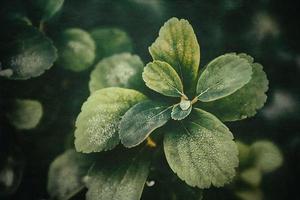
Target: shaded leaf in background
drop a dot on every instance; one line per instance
(222, 77)
(25, 113)
(45, 9)
(121, 177)
(141, 120)
(178, 46)
(25, 52)
(66, 173)
(161, 77)
(252, 176)
(201, 150)
(110, 41)
(244, 102)
(97, 124)
(76, 49)
(120, 70)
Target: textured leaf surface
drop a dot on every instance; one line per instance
(121, 70)
(177, 45)
(161, 77)
(66, 174)
(119, 178)
(25, 52)
(45, 9)
(267, 156)
(25, 113)
(223, 76)
(76, 49)
(179, 114)
(201, 150)
(141, 120)
(110, 41)
(97, 124)
(246, 101)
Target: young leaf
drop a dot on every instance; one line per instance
(76, 49)
(222, 77)
(25, 113)
(177, 45)
(97, 124)
(121, 70)
(201, 150)
(244, 102)
(267, 156)
(110, 41)
(45, 9)
(121, 177)
(141, 120)
(178, 113)
(25, 52)
(161, 77)
(66, 173)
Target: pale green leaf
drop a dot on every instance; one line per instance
(201, 150)
(25, 52)
(66, 172)
(76, 49)
(178, 46)
(246, 101)
(110, 41)
(161, 77)
(141, 120)
(178, 113)
(25, 113)
(245, 158)
(250, 194)
(45, 9)
(121, 70)
(252, 176)
(267, 156)
(97, 124)
(223, 76)
(121, 177)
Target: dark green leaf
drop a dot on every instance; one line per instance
(119, 178)
(161, 77)
(45, 9)
(97, 124)
(222, 77)
(66, 173)
(76, 49)
(201, 150)
(177, 45)
(25, 113)
(121, 70)
(110, 41)
(141, 120)
(25, 52)
(246, 101)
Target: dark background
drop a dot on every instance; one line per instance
(267, 30)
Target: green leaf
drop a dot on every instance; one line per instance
(25, 52)
(141, 120)
(250, 194)
(201, 150)
(110, 41)
(251, 176)
(178, 113)
(245, 158)
(246, 101)
(97, 124)
(66, 173)
(25, 113)
(267, 156)
(76, 49)
(223, 76)
(177, 45)
(161, 77)
(121, 177)
(121, 70)
(45, 9)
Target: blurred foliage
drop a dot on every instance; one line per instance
(267, 30)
